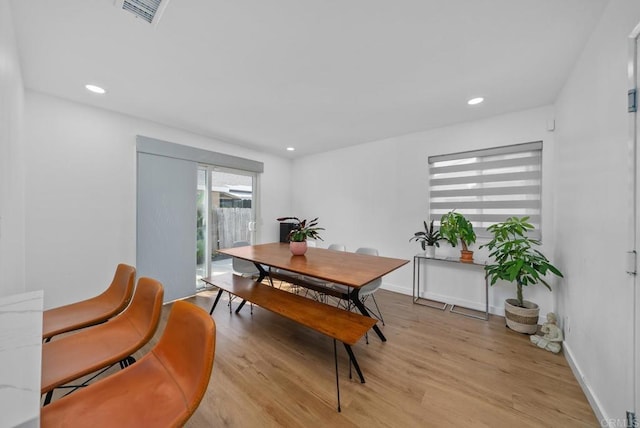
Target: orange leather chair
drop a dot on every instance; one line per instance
(94, 348)
(92, 311)
(162, 389)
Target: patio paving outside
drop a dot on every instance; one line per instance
(218, 267)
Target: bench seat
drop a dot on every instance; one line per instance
(338, 324)
(344, 326)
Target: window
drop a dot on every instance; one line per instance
(488, 185)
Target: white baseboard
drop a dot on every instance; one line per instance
(471, 304)
(396, 288)
(588, 392)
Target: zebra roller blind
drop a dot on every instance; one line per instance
(488, 185)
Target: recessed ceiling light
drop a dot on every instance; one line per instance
(95, 89)
(474, 101)
(290, 149)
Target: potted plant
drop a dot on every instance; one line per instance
(300, 233)
(455, 227)
(428, 239)
(517, 260)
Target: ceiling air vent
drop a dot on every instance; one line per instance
(147, 10)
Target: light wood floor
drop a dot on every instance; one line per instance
(437, 369)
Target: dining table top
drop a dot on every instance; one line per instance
(340, 267)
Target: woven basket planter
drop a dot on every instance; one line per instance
(522, 320)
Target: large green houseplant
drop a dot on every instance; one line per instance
(456, 227)
(517, 261)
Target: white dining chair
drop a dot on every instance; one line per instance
(321, 283)
(243, 267)
(366, 291)
(337, 247)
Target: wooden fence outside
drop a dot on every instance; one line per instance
(230, 225)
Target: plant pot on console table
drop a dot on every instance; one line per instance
(455, 227)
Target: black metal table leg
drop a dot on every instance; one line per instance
(240, 306)
(215, 302)
(355, 299)
(263, 273)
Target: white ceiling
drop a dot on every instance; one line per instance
(313, 74)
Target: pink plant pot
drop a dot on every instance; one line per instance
(298, 248)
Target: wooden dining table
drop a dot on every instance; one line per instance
(350, 269)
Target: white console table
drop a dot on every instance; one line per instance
(420, 262)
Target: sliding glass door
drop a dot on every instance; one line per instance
(226, 212)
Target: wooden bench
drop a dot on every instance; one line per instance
(320, 287)
(338, 324)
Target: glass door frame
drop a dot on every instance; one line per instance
(206, 219)
(634, 124)
(252, 226)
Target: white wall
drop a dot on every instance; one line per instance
(80, 189)
(593, 203)
(12, 205)
(81, 201)
(376, 194)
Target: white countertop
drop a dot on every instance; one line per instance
(20, 359)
